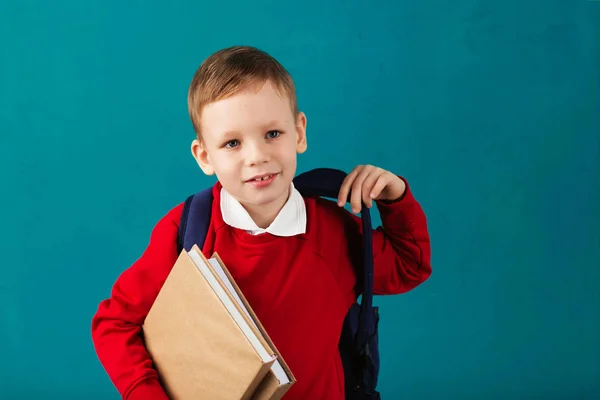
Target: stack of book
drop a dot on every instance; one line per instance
(205, 340)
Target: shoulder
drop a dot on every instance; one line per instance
(167, 225)
(171, 220)
(173, 215)
(327, 211)
(328, 222)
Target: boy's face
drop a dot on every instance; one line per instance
(252, 134)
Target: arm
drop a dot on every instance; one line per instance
(117, 324)
(401, 247)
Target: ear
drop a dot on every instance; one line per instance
(202, 158)
(301, 133)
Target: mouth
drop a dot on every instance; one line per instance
(260, 178)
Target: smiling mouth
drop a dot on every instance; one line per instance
(261, 178)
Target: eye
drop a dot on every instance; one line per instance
(231, 144)
(273, 134)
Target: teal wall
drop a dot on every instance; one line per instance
(490, 108)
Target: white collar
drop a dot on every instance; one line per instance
(290, 221)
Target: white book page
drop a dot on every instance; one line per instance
(276, 367)
(230, 306)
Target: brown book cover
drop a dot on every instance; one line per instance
(202, 342)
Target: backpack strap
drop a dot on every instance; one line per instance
(195, 220)
(326, 182)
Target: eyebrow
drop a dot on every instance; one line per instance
(233, 133)
(228, 134)
(270, 124)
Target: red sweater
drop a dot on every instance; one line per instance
(300, 288)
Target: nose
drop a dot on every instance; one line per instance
(256, 153)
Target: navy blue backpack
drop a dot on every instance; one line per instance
(359, 347)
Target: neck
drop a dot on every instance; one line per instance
(263, 215)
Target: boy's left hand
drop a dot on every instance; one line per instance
(369, 183)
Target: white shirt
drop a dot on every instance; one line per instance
(290, 221)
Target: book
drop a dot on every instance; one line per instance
(206, 341)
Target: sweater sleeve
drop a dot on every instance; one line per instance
(117, 324)
(401, 248)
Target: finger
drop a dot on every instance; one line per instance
(347, 184)
(356, 195)
(369, 183)
(381, 183)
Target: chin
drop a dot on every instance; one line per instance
(266, 197)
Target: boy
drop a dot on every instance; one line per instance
(293, 258)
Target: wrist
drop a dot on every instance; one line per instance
(397, 194)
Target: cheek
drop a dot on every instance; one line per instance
(290, 158)
(224, 164)
(286, 149)
(287, 157)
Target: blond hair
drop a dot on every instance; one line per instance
(231, 70)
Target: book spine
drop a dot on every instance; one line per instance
(260, 376)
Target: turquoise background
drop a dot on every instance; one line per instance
(491, 109)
